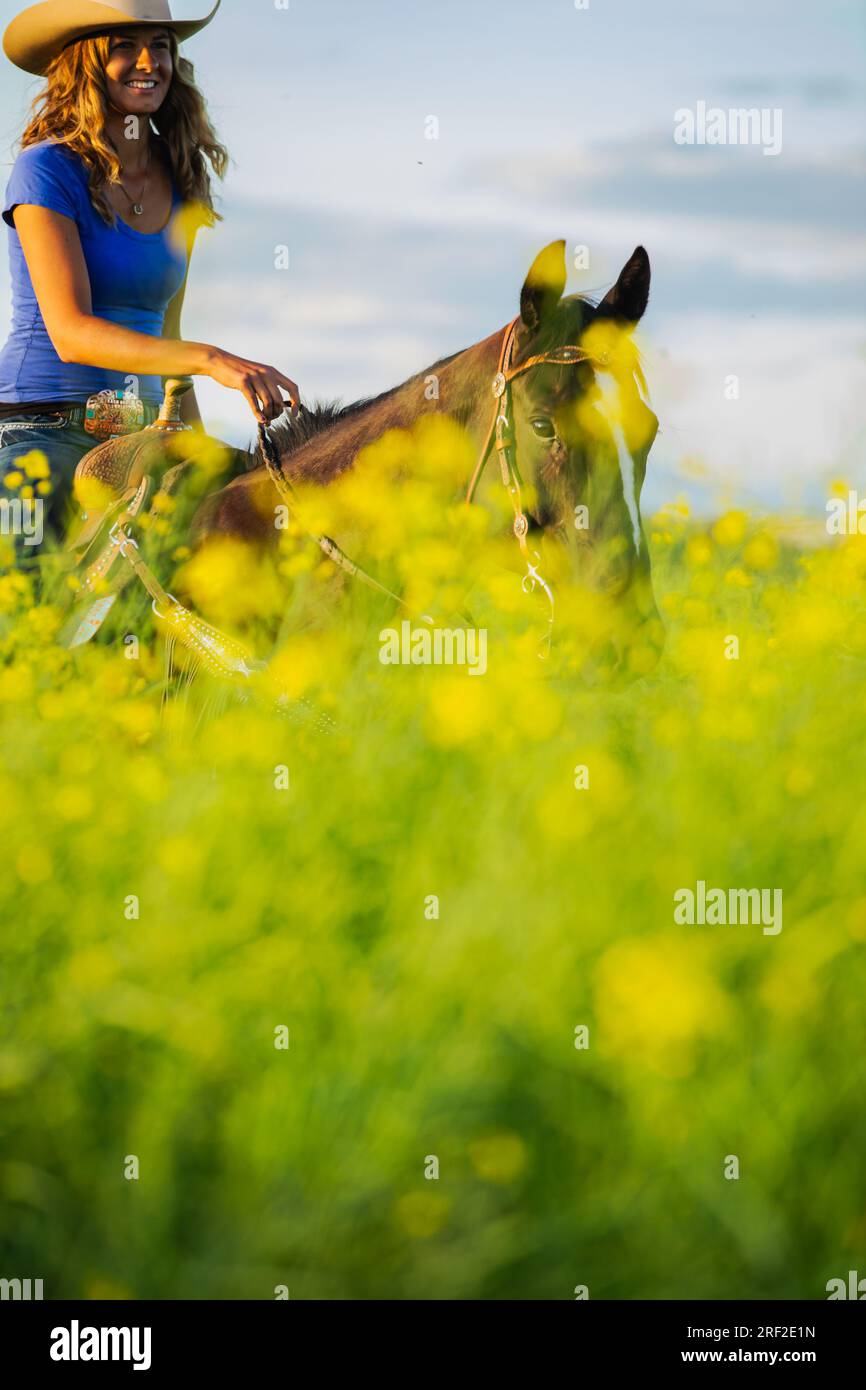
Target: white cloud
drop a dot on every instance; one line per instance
(801, 381)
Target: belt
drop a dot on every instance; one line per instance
(73, 411)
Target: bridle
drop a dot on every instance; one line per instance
(500, 432)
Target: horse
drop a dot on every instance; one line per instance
(558, 396)
(570, 418)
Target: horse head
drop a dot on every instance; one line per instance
(582, 432)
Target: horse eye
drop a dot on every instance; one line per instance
(543, 427)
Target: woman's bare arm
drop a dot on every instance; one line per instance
(58, 272)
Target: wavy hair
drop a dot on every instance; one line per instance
(73, 108)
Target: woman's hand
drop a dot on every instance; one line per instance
(259, 383)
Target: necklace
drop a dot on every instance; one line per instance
(138, 205)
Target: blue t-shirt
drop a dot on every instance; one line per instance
(133, 277)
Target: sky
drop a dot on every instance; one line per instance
(551, 120)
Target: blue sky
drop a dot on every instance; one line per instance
(553, 122)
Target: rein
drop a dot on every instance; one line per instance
(328, 547)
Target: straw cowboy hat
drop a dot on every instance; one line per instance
(38, 34)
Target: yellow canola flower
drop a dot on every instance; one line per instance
(164, 503)
(761, 553)
(137, 719)
(308, 661)
(813, 620)
(460, 707)
(92, 495)
(230, 578)
(433, 559)
(445, 452)
(504, 589)
(189, 218)
(789, 989)
(498, 1158)
(92, 969)
(181, 856)
(78, 760)
(147, 778)
(36, 465)
(655, 1001)
(737, 578)
(208, 456)
(696, 612)
(303, 561)
(699, 551)
(856, 919)
(800, 780)
(699, 652)
(17, 683)
(422, 1214)
(105, 1287)
(44, 621)
(536, 710)
(671, 728)
(33, 864)
(607, 339)
(565, 814)
(593, 787)
(73, 803)
(730, 528)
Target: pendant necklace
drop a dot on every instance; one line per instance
(138, 207)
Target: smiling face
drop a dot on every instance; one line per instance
(139, 69)
(583, 434)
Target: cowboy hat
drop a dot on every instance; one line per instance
(38, 34)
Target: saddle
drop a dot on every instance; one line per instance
(119, 474)
(112, 484)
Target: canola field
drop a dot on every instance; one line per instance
(376, 989)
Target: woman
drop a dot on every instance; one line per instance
(115, 151)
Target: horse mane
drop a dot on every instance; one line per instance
(290, 433)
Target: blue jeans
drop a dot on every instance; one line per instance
(29, 521)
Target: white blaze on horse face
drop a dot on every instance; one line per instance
(629, 486)
(609, 389)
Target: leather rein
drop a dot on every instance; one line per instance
(499, 433)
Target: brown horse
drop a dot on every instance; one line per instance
(580, 434)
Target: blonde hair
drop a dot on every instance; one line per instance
(73, 108)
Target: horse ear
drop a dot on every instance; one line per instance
(543, 286)
(627, 300)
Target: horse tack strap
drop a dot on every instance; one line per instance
(500, 382)
(329, 548)
(501, 428)
(501, 432)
